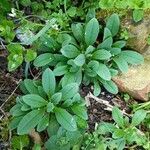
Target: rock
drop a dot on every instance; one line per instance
(138, 33)
(136, 81)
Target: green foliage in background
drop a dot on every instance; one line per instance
(83, 59)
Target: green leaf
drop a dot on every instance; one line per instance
(103, 72)
(15, 48)
(16, 110)
(35, 101)
(91, 31)
(56, 98)
(77, 30)
(70, 51)
(111, 87)
(113, 24)
(118, 117)
(138, 15)
(48, 81)
(30, 55)
(37, 147)
(53, 126)
(89, 50)
(138, 117)
(106, 44)
(107, 33)
(69, 91)
(49, 24)
(97, 88)
(42, 92)
(115, 51)
(80, 111)
(43, 59)
(30, 86)
(60, 70)
(121, 63)
(43, 123)
(14, 61)
(80, 60)
(65, 119)
(72, 11)
(19, 142)
(105, 127)
(118, 133)
(14, 122)
(132, 57)
(101, 54)
(50, 107)
(29, 121)
(119, 44)
(90, 14)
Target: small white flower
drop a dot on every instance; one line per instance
(13, 12)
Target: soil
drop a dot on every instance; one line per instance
(8, 83)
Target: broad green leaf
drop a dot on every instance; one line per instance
(48, 41)
(115, 51)
(106, 44)
(16, 110)
(80, 111)
(70, 51)
(14, 122)
(60, 70)
(121, 63)
(138, 117)
(103, 72)
(111, 87)
(65, 119)
(113, 24)
(69, 91)
(56, 98)
(19, 142)
(15, 48)
(118, 117)
(48, 82)
(72, 11)
(50, 107)
(101, 54)
(90, 14)
(30, 55)
(14, 61)
(53, 126)
(42, 92)
(105, 127)
(107, 33)
(77, 30)
(97, 88)
(94, 65)
(29, 121)
(34, 100)
(43, 123)
(89, 50)
(30, 86)
(138, 15)
(91, 31)
(80, 60)
(113, 72)
(43, 59)
(119, 44)
(37, 147)
(25, 107)
(118, 133)
(132, 57)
